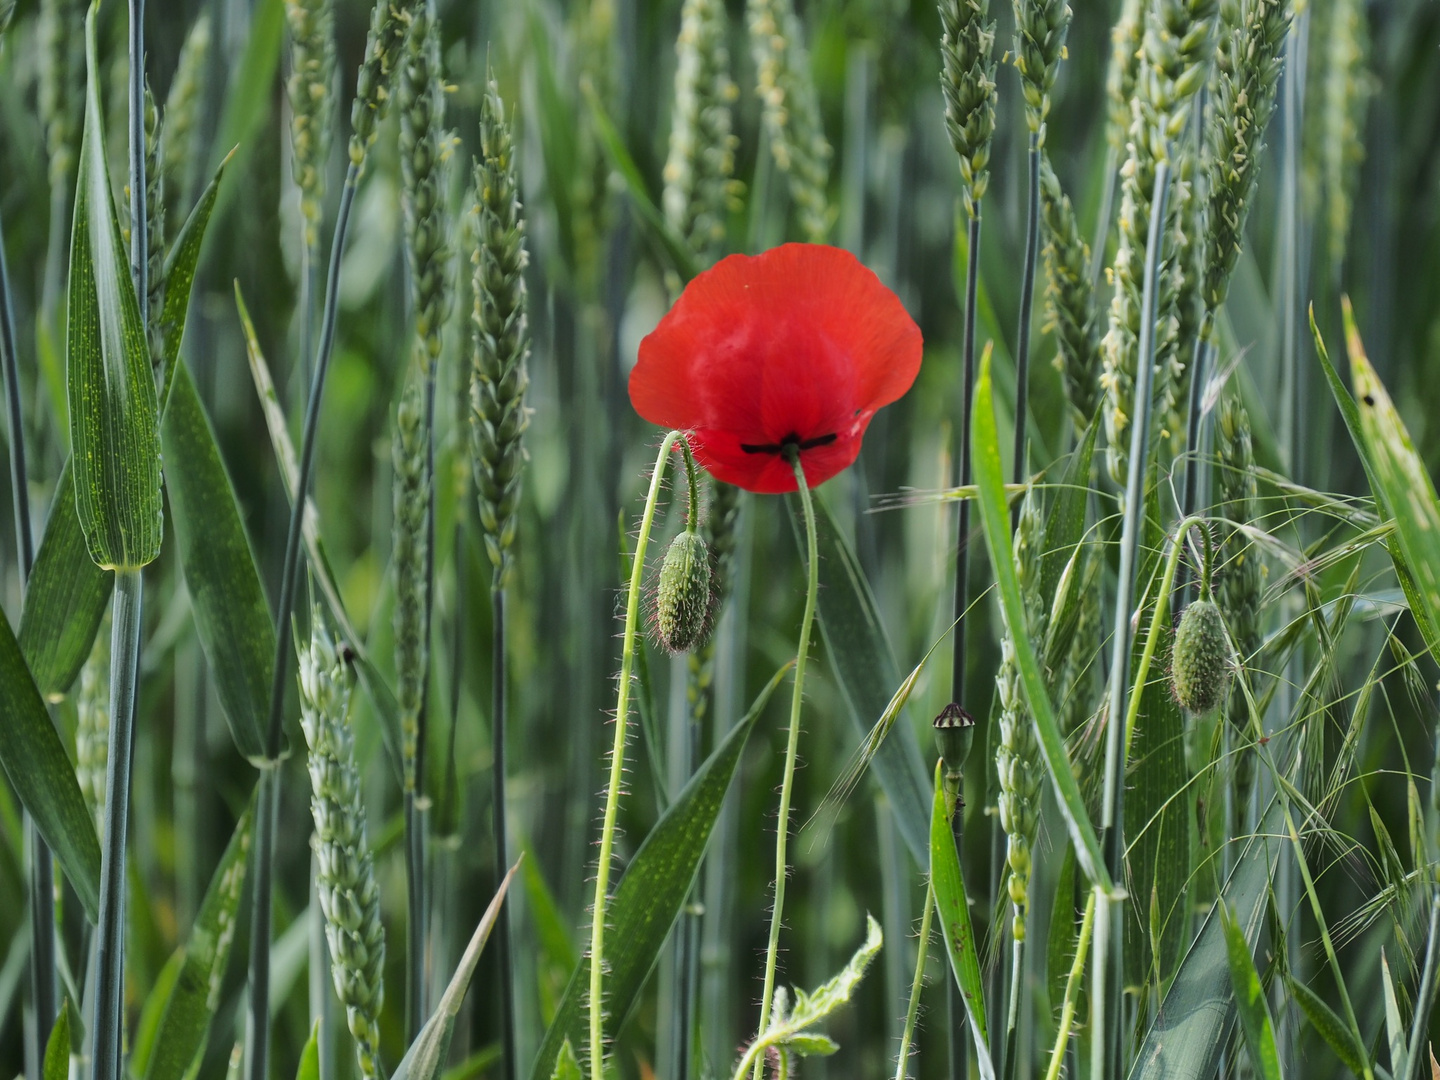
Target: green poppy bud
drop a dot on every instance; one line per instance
(683, 600)
(1200, 670)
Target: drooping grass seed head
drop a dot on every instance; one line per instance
(684, 594)
(954, 735)
(1200, 668)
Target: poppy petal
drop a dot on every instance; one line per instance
(798, 344)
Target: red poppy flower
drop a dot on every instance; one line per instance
(797, 346)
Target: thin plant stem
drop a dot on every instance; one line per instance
(1072, 990)
(1194, 418)
(912, 1011)
(308, 258)
(1102, 221)
(958, 1020)
(617, 765)
(110, 933)
(258, 1033)
(42, 870)
(1108, 970)
(792, 742)
(1022, 336)
(1425, 992)
(501, 932)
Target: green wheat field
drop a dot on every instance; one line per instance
(686, 539)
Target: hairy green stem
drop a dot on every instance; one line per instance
(1072, 990)
(109, 1017)
(792, 742)
(1108, 971)
(617, 765)
(913, 1010)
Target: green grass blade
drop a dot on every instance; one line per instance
(952, 907)
(57, 1049)
(676, 249)
(1332, 1029)
(651, 892)
(1253, 1006)
(863, 665)
(1188, 1034)
(1400, 480)
(65, 598)
(425, 1060)
(232, 618)
(114, 421)
(1350, 413)
(309, 1067)
(985, 447)
(180, 267)
(42, 776)
(185, 1024)
(252, 82)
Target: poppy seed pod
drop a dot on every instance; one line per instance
(1200, 670)
(683, 598)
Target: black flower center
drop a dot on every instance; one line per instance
(790, 440)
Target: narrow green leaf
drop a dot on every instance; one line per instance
(1062, 933)
(1250, 1000)
(371, 681)
(1332, 1029)
(1394, 1026)
(232, 618)
(153, 1011)
(1185, 1039)
(180, 267)
(651, 892)
(863, 665)
(309, 1067)
(1350, 412)
(952, 906)
(1401, 480)
(42, 776)
(567, 1066)
(248, 97)
(114, 428)
(985, 449)
(65, 597)
(555, 936)
(185, 1025)
(676, 249)
(425, 1060)
(57, 1050)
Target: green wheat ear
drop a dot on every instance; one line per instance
(184, 105)
(1040, 29)
(411, 494)
(388, 25)
(791, 110)
(1017, 760)
(312, 103)
(1069, 299)
(700, 190)
(498, 416)
(61, 68)
(92, 724)
(345, 878)
(968, 81)
(1240, 577)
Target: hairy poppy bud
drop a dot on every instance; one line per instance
(1200, 670)
(683, 599)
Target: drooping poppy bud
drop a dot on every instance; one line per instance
(1200, 670)
(683, 600)
(766, 357)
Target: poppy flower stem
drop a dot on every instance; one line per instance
(782, 832)
(617, 765)
(692, 480)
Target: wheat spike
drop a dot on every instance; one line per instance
(345, 878)
(967, 78)
(312, 104)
